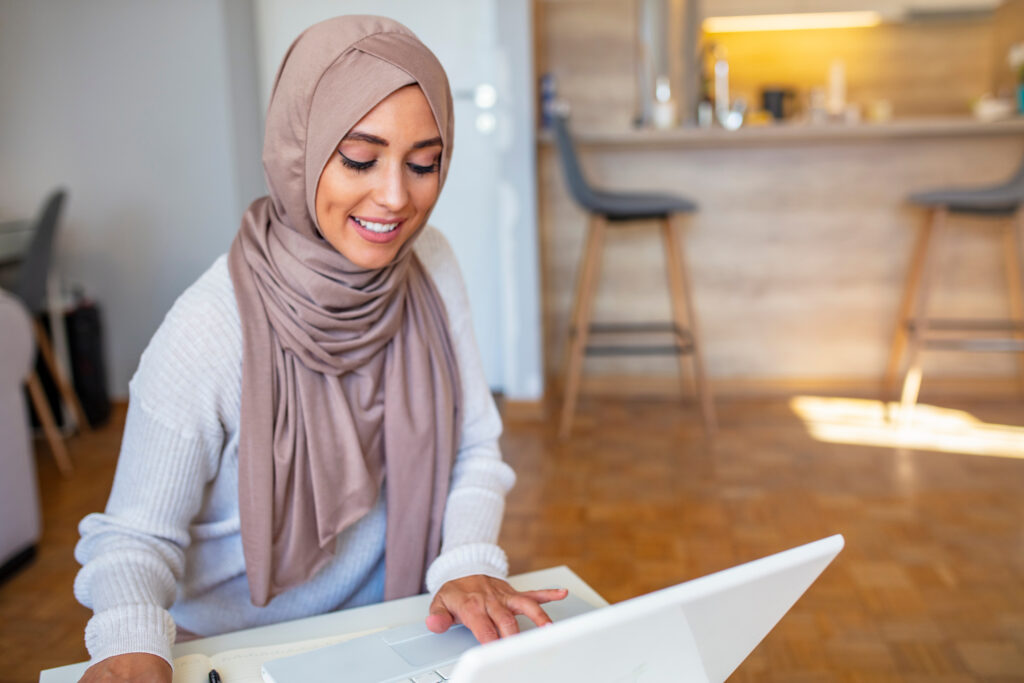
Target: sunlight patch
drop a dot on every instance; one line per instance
(865, 422)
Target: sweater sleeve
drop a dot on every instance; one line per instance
(480, 479)
(133, 554)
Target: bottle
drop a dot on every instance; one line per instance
(705, 105)
(664, 113)
(721, 83)
(548, 95)
(836, 88)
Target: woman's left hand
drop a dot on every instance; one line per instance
(488, 606)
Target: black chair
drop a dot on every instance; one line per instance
(607, 209)
(915, 331)
(29, 285)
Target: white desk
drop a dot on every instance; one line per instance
(391, 613)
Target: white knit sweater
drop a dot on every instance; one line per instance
(168, 548)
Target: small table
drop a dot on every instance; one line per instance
(14, 239)
(385, 614)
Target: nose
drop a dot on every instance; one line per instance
(392, 193)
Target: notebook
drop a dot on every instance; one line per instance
(242, 665)
(700, 630)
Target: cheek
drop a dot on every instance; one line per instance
(425, 193)
(334, 197)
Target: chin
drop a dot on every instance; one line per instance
(373, 261)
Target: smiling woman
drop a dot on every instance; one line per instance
(381, 185)
(310, 428)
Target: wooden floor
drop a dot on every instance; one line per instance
(930, 586)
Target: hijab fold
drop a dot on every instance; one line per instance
(349, 376)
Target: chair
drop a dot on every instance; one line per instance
(915, 331)
(29, 285)
(19, 489)
(607, 209)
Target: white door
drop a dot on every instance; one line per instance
(463, 35)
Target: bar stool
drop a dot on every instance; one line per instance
(915, 332)
(606, 209)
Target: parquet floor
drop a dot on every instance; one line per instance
(930, 586)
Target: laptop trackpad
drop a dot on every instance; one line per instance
(419, 646)
(433, 648)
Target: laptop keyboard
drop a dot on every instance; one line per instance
(441, 673)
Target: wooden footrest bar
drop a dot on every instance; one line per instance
(979, 345)
(639, 350)
(969, 325)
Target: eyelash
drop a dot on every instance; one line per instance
(360, 166)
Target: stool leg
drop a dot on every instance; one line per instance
(1012, 251)
(910, 287)
(912, 379)
(66, 392)
(685, 316)
(586, 289)
(53, 436)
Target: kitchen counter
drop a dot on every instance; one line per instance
(798, 249)
(784, 133)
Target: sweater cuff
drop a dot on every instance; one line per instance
(130, 628)
(466, 560)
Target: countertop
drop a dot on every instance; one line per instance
(786, 133)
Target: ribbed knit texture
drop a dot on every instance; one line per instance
(168, 547)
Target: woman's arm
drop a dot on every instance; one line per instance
(133, 554)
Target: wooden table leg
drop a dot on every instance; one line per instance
(1014, 240)
(685, 316)
(53, 435)
(585, 293)
(912, 379)
(910, 289)
(63, 386)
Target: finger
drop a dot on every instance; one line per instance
(528, 607)
(503, 619)
(440, 619)
(475, 618)
(546, 595)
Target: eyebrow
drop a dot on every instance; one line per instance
(374, 140)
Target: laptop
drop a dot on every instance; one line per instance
(700, 630)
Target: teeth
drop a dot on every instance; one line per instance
(375, 227)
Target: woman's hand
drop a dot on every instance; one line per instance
(138, 667)
(488, 606)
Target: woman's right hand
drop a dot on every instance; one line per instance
(137, 667)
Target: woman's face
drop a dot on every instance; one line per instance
(378, 187)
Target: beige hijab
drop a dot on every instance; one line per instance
(348, 375)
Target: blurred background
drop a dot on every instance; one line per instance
(859, 361)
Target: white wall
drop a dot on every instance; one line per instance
(520, 249)
(133, 106)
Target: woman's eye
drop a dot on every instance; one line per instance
(356, 165)
(424, 170)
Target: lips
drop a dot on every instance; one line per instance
(377, 231)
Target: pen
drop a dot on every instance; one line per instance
(214, 676)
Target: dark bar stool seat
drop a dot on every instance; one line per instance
(915, 331)
(607, 208)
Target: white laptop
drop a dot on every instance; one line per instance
(698, 631)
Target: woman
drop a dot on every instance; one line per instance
(310, 427)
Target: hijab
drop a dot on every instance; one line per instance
(349, 375)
